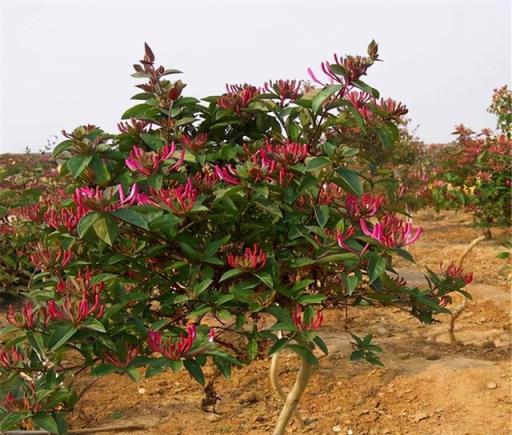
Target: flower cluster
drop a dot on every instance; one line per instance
(179, 199)
(367, 205)
(147, 163)
(392, 232)
(169, 349)
(284, 89)
(457, 273)
(10, 357)
(301, 324)
(252, 259)
(50, 258)
(27, 318)
(238, 97)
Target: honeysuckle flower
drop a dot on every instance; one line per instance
(284, 89)
(454, 272)
(75, 311)
(196, 143)
(64, 218)
(79, 284)
(134, 126)
(238, 97)
(392, 108)
(113, 358)
(392, 232)
(30, 401)
(10, 357)
(50, 258)
(206, 180)
(169, 349)
(179, 199)
(251, 260)
(366, 205)
(228, 174)
(301, 324)
(263, 167)
(26, 319)
(148, 162)
(289, 153)
(211, 335)
(30, 213)
(330, 193)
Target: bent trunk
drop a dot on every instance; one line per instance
(293, 398)
(458, 311)
(274, 383)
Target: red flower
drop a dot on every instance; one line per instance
(26, 319)
(289, 153)
(75, 311)
(179, 199)
(10, 358)
(65, 217)
(456, 273)
(195, 144)
(392, 232)
(251, 260)
(301, 324)
(50, 258)
(168, 349)
(365, 206)
(30, 213)
(238, 97)
(284, 89)
(79, 284)
(117, 361)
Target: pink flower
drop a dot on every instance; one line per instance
(29, 212)
(392, 232)
(179, 199)
(301, 324)
(195, 144)
(367, 205)
(251, 260)
(75, 311)
(64, 218)
(238, 97)
(147, 163)
(168, 349)
(284, 89)
(228, 174)
(289, 153)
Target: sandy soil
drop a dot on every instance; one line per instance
(426, 387)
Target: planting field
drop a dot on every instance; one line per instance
(426, 387)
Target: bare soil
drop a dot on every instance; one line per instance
(426, 387)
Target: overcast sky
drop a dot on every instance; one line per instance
(66, 63)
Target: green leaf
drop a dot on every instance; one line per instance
(350, 181)
(376, 266)
(154, 142)
(106, 229)
(266, 279)
(323, 95)
(230, 274)
(367, 88)
(311, 299)
(46, 422)
(277, 346)
(322, 214)
(315, 163)
(132, 217)
(94, 325)
(77, 164)
(336, 258)
(321, 344)
(195, 370)
(202, 286)
(87, 222)
(60, 336)
(304, 353)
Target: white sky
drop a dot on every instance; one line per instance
(66, 63)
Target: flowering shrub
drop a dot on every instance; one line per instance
(241, 213)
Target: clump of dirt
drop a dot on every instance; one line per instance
(426, 387)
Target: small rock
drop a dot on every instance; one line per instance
(336, 429)
(492, 386)
(349, 432)
(420, 416)
(250, 397)
(382, 331)
(141, 390)
(214, 417)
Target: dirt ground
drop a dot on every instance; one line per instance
(426, 387)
